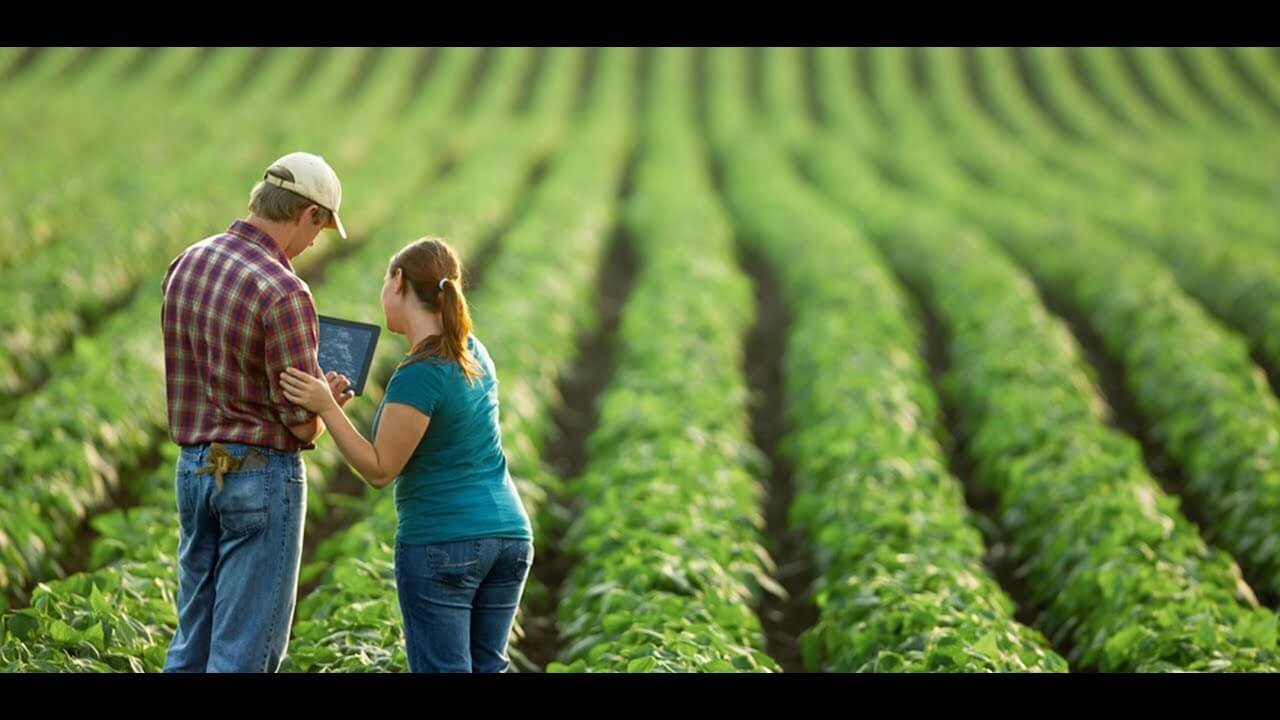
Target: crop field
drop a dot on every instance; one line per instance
(810, 359)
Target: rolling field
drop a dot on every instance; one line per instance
(811, 359)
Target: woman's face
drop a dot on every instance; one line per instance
(392, 301)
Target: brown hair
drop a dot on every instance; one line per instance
(276, 203)
(433, 272)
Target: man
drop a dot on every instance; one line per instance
(234, 317)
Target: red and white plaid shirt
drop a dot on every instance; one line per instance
(234, 317)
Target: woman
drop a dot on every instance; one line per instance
(463, 543)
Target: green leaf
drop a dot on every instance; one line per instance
(1122, 644)
(95, 636)
(1260, 628)
(988, 646)
(1205, 633)
(98, 602)
(810, 650)
(615, 623)
(889, 662)
(23, 624)
(63, 633)
(642, 664)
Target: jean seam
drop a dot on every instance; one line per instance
(275, 590)
(451, 606)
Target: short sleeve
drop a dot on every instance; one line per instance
(418, 385)
(292, 333)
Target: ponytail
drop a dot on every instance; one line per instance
(433, 258)
(456, 327)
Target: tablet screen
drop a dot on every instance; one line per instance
(347, 347)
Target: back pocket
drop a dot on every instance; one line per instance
(242, 502)
(455, 563)
(521, 561)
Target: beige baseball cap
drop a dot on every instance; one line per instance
(314, 180)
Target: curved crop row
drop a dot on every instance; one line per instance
(669, 558)
(1111, 565)
(903, 586)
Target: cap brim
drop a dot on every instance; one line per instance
(336, 224)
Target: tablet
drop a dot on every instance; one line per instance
(347, 347)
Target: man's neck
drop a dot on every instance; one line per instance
(273, 230)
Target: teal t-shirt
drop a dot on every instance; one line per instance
(456, 485)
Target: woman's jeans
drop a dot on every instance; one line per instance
(459, 601)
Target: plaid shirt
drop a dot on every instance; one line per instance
(234, 317)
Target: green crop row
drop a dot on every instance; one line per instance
(1209, 407)
(39, 99)
(120, 614)
(902, 584)
(1112, 567)
(669, 561)
(1197, 246)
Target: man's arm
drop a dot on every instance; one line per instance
(308, 432)
(292, 338)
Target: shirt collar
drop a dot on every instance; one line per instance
(247, 231)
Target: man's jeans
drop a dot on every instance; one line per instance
(238, 561)
(459, 601)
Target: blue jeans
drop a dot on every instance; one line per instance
(459, 601)
(238, 557)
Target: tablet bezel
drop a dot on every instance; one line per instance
(357, 384)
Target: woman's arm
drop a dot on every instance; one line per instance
(399, 430)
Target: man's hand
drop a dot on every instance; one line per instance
(340, 386)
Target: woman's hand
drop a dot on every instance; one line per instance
(314, 394)
(339, 385)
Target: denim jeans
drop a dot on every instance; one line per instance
(459, 601)
(238, 558)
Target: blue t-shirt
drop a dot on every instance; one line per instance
(456, 485)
